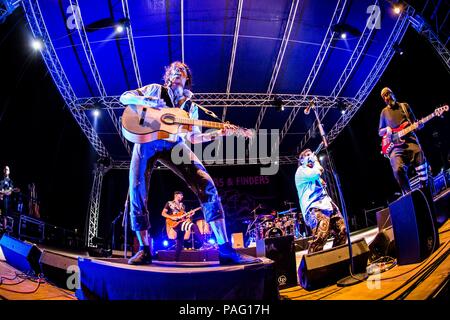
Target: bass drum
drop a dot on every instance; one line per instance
(274, 232)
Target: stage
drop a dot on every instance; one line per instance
(420, 281)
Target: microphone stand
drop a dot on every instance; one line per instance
(353, 278)
(125, 224)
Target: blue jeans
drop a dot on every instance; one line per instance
(193, 173)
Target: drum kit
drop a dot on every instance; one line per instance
(275, 224)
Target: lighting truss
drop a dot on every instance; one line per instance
(345, 75)
(233, 54)
(126, 13)
(418, 23)
(338, 11)
(6, 8)
(233, 100)
(279, 61)
(383, 60)
(94, 204)
(39, 31)
(95, 73)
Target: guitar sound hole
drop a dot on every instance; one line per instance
(168, 119)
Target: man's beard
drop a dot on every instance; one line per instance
(392, 102)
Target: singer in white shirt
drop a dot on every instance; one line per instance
(175, 93)
(319, 211)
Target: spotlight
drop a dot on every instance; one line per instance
(321, 158)
(37, 44)
(121, 25)
(165, 243)
(397, 9)
(344, 30)
(212, 241)
(342, 107)
(278, 103)
(398, 49)
(96, 113)
(119, 28)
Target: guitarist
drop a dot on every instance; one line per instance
(175, 94)
(409, 153)
(6, 187)
(170, 209)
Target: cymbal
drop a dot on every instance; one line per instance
(287, 211)
(265, 217)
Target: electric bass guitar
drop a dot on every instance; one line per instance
(141, 124)
(388, 143)
(182, 216)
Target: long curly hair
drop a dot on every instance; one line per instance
(178, 64)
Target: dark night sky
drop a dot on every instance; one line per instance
(42, 143)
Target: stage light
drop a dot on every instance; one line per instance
(278, 103)
(37, 44)
(212, 241)
(398, 49)
(165, 243)
(342, 107)
(397, 9)
(321, 158)
(96, 113)
(344, 35)
(119, 28)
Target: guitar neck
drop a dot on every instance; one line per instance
(415, 125)
(200, 123)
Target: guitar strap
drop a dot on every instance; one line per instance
(405, 112)
(165, 96)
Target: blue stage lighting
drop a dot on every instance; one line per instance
(165, 243)
(37, 44)
(212, 241)
(96, 113)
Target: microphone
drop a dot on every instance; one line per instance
(310, 106)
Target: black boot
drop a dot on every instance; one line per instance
(229, 256)
(142, 257)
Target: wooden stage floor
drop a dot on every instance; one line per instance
(411, 282)
(420, 279)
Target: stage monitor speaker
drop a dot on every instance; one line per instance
(322, 268)
(415, 232)
(237, 240)
(23, 256)
(383, 219)
(281, 250)
(383, 245)
(59, 268)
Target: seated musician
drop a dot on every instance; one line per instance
(170, 209)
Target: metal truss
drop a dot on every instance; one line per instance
(345, 76)
(39, 30)
(279, 61)
(383, 60)
(233, 100)
(282, 160)
(329, 36)
(419, 24)
(126, 13)
(233, 53)
(94, 70)
(7, 7)
(434, 11)
(94, 203)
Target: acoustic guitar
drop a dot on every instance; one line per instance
(8, 192)
(142, 124)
